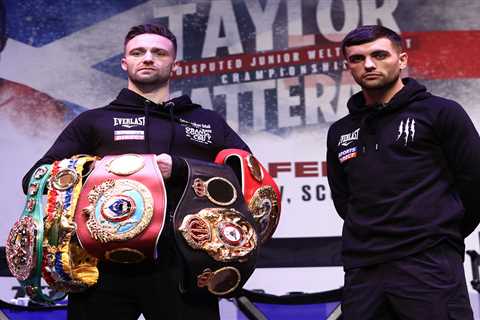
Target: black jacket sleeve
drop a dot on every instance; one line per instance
(461, 145)
(75, 139)
(179, 169)
(232, 140)
(337, 178)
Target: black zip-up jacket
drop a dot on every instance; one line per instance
(403, 175)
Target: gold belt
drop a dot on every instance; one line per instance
(66, 266)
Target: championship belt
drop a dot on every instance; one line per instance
(214, 231)
(24, 247)
(66, 266)
(121, 210)
(259, 190)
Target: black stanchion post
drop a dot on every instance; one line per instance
(249, 309)
(475, 261)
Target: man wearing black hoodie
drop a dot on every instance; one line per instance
(403, 168)
(144, 120)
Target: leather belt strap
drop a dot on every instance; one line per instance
(214, 231)
(260, 191)
(24, 247)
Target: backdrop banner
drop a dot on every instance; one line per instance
(272, 68)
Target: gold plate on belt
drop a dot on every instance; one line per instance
(219, 282)
(20, 248)
(223, 233)
(218, 190)
(64, 179)
(126, 164)
(254, 167)
(124, 255)
(264, 208)
(119, 210)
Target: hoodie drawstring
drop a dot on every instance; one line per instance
(170, 106)
(368, 126)
(146, 108)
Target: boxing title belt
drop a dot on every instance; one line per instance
(24, 247)
(66, 266)
(259, 190)
(121, 210)
(214, 231)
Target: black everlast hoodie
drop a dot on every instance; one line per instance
(134, 124)
(403, 175)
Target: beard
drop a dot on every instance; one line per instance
(157, 78)
(381, 83)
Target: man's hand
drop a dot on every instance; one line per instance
(164, 162)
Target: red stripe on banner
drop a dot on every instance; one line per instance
(432, 55)
(444, 54)
(258, 61)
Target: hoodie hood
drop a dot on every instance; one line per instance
(131, 101)
(411, 91)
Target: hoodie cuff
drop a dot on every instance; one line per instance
(179, 168)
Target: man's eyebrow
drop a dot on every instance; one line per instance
(151, 49)
(356, 55)
(137, 48)
(380, 51)
(159, 49)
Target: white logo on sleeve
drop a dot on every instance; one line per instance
(198, 132)
(406, 130)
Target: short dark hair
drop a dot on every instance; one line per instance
(3, 26)
(151, 28)
(365, 34)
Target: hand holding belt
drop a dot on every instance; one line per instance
(66, 266)
(260, 191)
(121, 210)
(214, 231)
(24, 247)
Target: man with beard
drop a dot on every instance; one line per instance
(144, 119)
(403, 168)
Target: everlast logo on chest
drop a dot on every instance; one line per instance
(348, 138)
(128, 122)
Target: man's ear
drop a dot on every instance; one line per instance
(123, 64)
(174, 66)
(403, 60)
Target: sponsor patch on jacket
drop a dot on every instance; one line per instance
(198, 132)
(347, 154)
(119, 135)
(129, 122)
(199, 135)
(348, 138)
